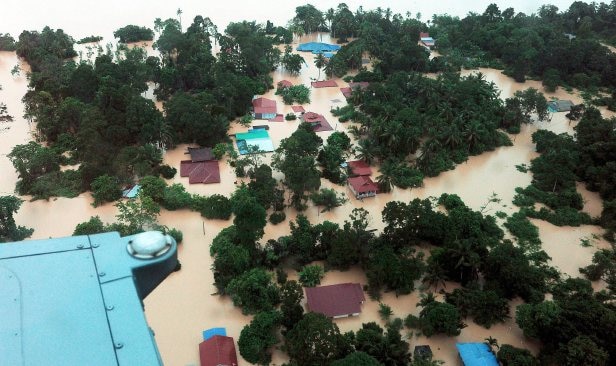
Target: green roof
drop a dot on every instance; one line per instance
(252, 134)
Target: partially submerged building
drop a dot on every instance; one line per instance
(263, 108)
(218, 350)
(324, 84)
(79, 300)
(358, 167)
(258, 139)
(426, 40)
(362, 187)
(201, 168)
(476, 354)
(336, 301)
(560, 106)
(318, 121)
(318, 47)
(348, 92)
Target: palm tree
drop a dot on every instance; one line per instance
(492, 342)
(384, 183)
(366, 151)
(426, 299)
(329, 16)
(179, 14)
(319, 62)
(435, 276)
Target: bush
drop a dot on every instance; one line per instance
(311, 276)
(176, 234)
(290, 117)
(105, 189)
(277, 217)
(213, 207)
(133, 33)
(175, 197)
(153, 187)
(166, 171)
(92, 226)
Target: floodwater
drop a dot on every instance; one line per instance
(183, 305)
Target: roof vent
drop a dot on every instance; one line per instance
(150, 244)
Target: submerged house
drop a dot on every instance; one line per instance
(263, 108)
(358, 167)
(201, 168)
(476, 354)
(218, 350)
(347, 92)
(560, 105)
(318, 121)
(362, 186)
(256, 138)
(284, 84)
(318, 47)
(336, 301)
(426, 40)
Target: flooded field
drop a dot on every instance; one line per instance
(184, 304)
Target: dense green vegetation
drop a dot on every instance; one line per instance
(134, 33)
(9, 231)
(90, 39)
(7, 42)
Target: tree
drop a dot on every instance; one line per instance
(318, 334)
(153, 187)
(214, 207)
(292, 62)
(105, 189)
(250, 217)
(137, 215)
(9, 231)
(437, 317)
(175, 197)
(319, 62)
(133, 33)
(582, 350)
(230, 259)
(357, 359)
(263, 186)
(386, 347)
(328, 198)
(253, 291)
(32, 161)
(257, 338)
(291, 294)
(310, 276)
(509, 355)
(92, 226)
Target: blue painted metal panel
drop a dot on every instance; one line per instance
(62, 313)
(207, 334)
(476, 354)
(37, 247)
(318, 47)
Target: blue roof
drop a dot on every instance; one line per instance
(207, 334)
(476, 354)
(255, 137)
(317, 47)
(78, 301)
(131, 192)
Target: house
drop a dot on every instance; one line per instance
(284, 84)
(298, 110)
(205, 172)
(318, 121)
(336, 301)
(131, 192)
(255, 137)
(362, 186)
(198, 154)
(358, 167)
(476, 354)
(324, 84)
(318, 47)
(263, 108)
(560, 106)
(218, 351)
(426, 40)
(347, 92)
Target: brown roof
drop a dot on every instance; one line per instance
(279, 118)
(324, 84)
(285, 83)
(335, 300)
(298, 109)
(359, 167)
(218, 351)
(264, 106)
(424, 35)
(312, 117)
(200, 154)
(362, 184)
(200, 172)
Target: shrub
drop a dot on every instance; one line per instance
(213, 207)
(92, 226)
(277, 217)
(290, 117)
(176, 234)
(175, 197)
(105, 189)
(311, 276)
(166, 171)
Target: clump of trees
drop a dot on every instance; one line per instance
(7, 42)
(299, 94)
(133, 33)
(9, 230)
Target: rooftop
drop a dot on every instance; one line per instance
(218, 351)
(200, 172)
(324, 84)
(198, 154)
(318, 47)
(335, 300)
(476, 354)
(78, 300)
(264, 106)
(362, 184)
(359, 167)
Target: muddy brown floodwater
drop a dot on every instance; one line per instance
(184, 304)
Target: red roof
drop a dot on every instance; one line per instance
(279, 118)
(359, 167)
(335, 300)
(362, 184)
(285, 83)
(298, 109)
(348, 91)
(200, 172)
(424, 35)
(312, 117)
(324, 84)
(218, 351)
(264, 106)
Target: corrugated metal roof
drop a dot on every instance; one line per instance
(77, 301)
(476, 354)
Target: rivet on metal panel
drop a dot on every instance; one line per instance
(95, 245)
(80, 246)
(102, 274)
(119, 345)
(109, 307)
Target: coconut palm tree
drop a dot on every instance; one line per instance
(435, 276)
(492, 342)
(319, 62)
(179, 14)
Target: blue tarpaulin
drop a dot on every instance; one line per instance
(317, 47)
(476, 354)
(207, 334)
